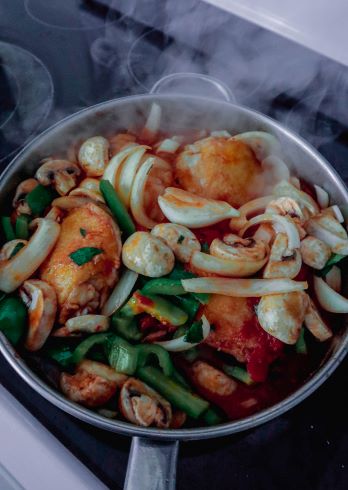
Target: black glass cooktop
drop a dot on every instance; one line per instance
(65, 55)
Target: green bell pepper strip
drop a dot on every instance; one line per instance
(301, 346)
(40, 198)
(187, 303)
(122, 356)
(180, 273)
(62, 354)
(212, 417)
(164, 286)
(126, 327)
(154, 305)
(175, 393)
(117, 208)
(7, 228)
(163, 357)
(22, 227)
(82, 349)
(239, 373)
(13, 318)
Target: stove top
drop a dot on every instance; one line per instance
(58, 57)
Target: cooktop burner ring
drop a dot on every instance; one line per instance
(27, 93)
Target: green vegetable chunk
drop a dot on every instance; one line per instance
(39, 198)
(84, 347)
(212, 417)
(334, 259)
(122, 356)
(7, 228)
(187, 303)
(126, 327)
(62, 354)
(22, 226)
(117, 208)
(164, 286)
(85, 254)
(155, 306)
(239, 373)
(195, 333)
(180, 273)
(163, 357)
(174, 392)
(13, 318)
(83, 232)
(300, 346)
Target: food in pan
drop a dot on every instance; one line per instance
(172, 280)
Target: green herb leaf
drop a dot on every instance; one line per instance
(17, 248)
(195, 333)
(205, 247)
(181, 239)
(334, 259)
(83, 232)
(39, 198)
(84, 255)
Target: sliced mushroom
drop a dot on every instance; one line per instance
(22, 191)
(41, 300)
(9, 248)
(179, 238)
(307, 203)
(315, 323)
(327, 228)
(315, 252)
(62, 174)
(282, 315)
(143, 406)
(19, 268)
(94, 156)
(86, 388)
(212, 379)
(281, 265)
(83, 324)
(88, 188)
(287, 206)
(147, 255)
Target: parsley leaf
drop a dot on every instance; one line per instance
(181, 239)
(205, 247)
(334, 259)
(85, 254)
(83, 232)
(16, 249)
(195, 333)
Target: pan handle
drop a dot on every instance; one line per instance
(193, 84)
(151, 464)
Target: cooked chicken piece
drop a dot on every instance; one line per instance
(82, 289)
(219, 168)
(212, 379)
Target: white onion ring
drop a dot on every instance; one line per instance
(168, 145)
(232, 267)
(284, 222)
(276, 167)
(137, 195)
(328, 298)
(316, 324)
(127, 173)
(153, 121)
(112, 169)
(120, 293)
(15, 271)
(242, 288)
(322, 196)
(336, 243)
(336, 212)
(180, 345)
(83, 324)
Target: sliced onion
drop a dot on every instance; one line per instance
(137, 195)
(285, 223)
(169, 145)
(83, 324)
(329, 299)
(127, 173)
(234, 267)
(116, 161)
(316, 324)
(120, 293)
(153, 121)
(336, 243)
(242, 288)
(263, 144)
(220, 134)
(322, 196)
(285, 189)
(15, 271)
(336, 212)
(276, 167)
(184, 208)
(254, 206)
(180, 344)
(334, 278)
(295, 181)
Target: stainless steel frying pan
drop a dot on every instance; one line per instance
(152, 461)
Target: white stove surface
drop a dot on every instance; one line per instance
(31, 458)
(316, 24)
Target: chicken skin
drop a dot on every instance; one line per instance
(219, 168)
(83, 289)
